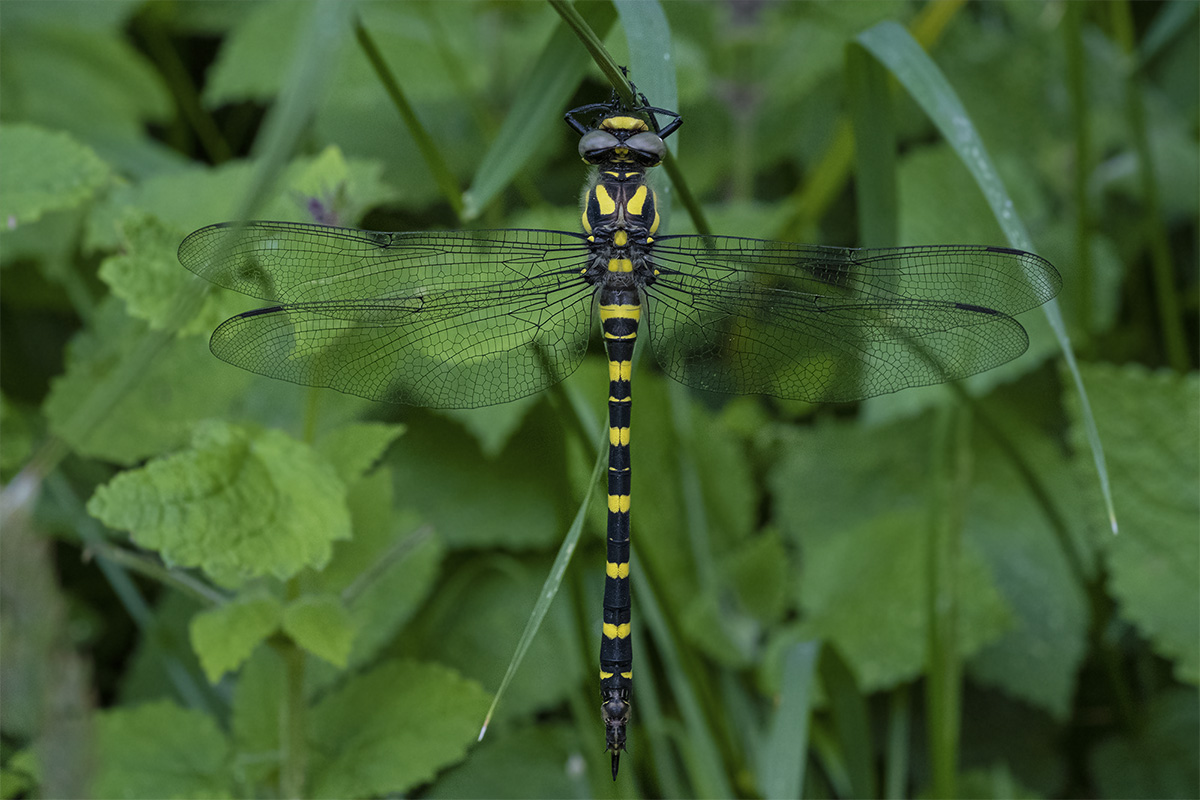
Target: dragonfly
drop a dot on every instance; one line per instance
(462, 319)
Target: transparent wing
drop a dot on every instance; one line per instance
(447, 320)
(294, 263)
(833, 325)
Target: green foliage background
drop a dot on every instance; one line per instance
(218, 585)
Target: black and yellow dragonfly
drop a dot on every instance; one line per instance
(460, 319)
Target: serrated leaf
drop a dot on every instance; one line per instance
(160, 750)
(42, 171)
(238, 504)
(147, 276)
(386, 731)
(1149, 423)
(321, 625)
(225, 636)
(353, 449)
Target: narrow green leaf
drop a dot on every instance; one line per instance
(429, 150)
(322, 625)
(536, 112)
(391, 729)
(160, 750)
(43, 171)
(238, 504)
(894, 47)
(786, 752)
(848, 706)
(874, 149)
(225, 636)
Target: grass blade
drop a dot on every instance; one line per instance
(786, 751)
(429, 151)
(892, 45)
(536, 110)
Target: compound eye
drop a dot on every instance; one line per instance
(648, 146)
(594, 144)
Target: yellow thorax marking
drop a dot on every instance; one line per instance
(607, 204)
(637, 202)
(616, 570)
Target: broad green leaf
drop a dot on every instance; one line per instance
(257, 706)
(854, 499)
(191, 198)
(759, 571)
(88, 80)
(1158, 760)
(1037, 659)
(42, 171)
(238, 503)
(225, 636)
(474, 623)
(322, 625)
(531, 761)
(391, 729)
(147, 276)
(383, 573)
(160, 750)
(183, 385)
(514, 501)
(493, 426)
(1150, 423)
(353, 449)
(16, 436)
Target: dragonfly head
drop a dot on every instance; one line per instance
(622, 139)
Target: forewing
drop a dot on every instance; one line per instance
(835, 325)
(293, 263)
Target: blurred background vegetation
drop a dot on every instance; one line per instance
(787, 596)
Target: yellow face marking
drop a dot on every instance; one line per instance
(637, 202)
(624, 124)
(627, 675)
(616, 631)
(618, 502)
(607, 205)
(605, 675)
(617, 570)
(620, 265)
(618, 436)
(620, 238)
(620, 370)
